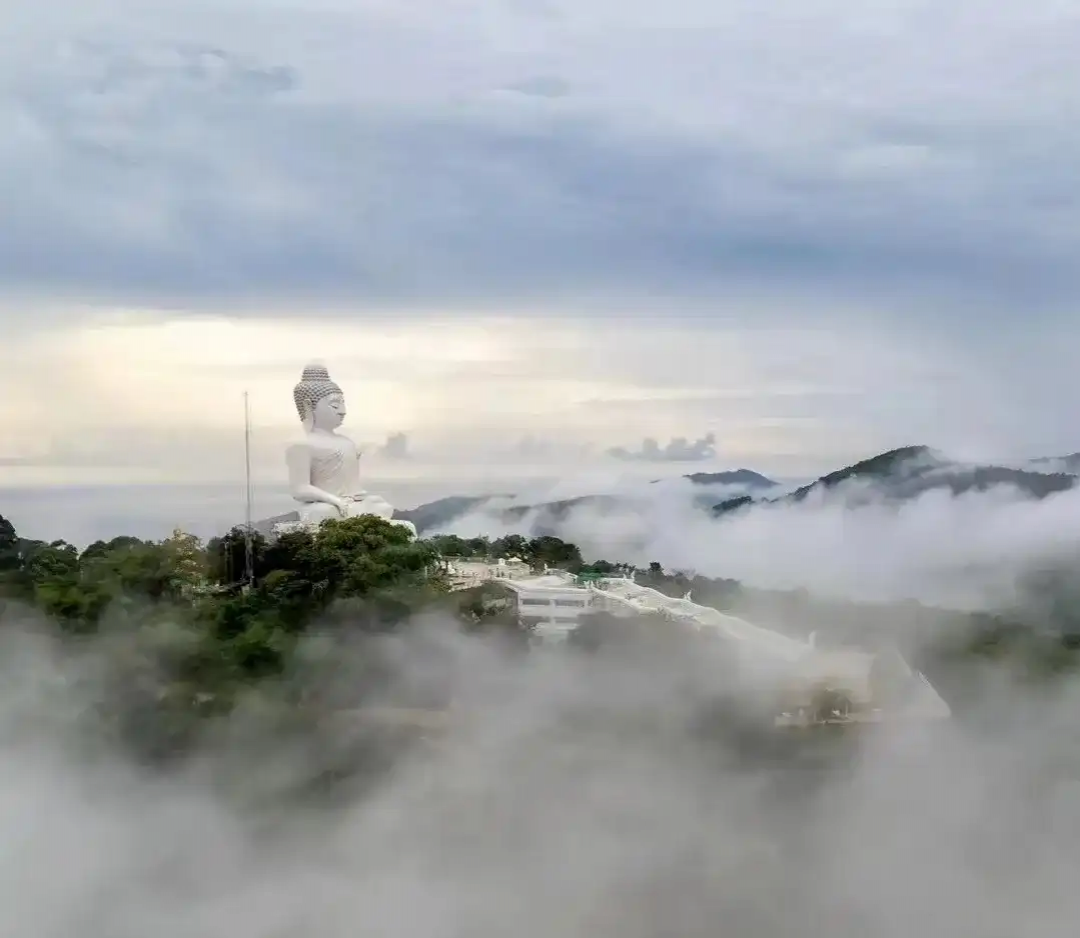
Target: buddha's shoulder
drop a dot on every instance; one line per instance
(319, 443)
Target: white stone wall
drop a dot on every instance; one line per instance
(555, 611)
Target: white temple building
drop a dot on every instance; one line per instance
(552, 603)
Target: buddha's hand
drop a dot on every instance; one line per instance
(342, 505)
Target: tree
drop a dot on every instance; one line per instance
(655, 573)
(10, 560)
(553, 552)
(132, 569)
(363, 573)
(478, 547)
(101, 548)
(185, 561)
(227, 557)
(450, 545)
(50, 573)
(603, 568)
(513, 545)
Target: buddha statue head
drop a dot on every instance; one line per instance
(319, 401)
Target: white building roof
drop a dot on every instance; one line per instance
(546, 581)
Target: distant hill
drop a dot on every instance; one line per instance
(441, 512)
(1069, 464)
(896, 475)
(549, 515)
(444, 511)
(744, 477)
(910, 471)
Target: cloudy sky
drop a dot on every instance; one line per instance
(521, 229)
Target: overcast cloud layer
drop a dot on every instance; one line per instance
(815, 230)
(476, 151)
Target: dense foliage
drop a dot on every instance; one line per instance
(537, 552)
(295, 578)
(198, 630)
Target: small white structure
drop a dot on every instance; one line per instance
(324, 465)
(552, 603)
(511, 567)
(465, 574)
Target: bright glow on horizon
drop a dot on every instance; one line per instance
(143, 374)
(160, 394)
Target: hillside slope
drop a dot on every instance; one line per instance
(444, 511)
(908, 472)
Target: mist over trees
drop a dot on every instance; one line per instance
(347, 718)
(201, 636)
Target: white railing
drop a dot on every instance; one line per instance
(645, 599)
(815, 665)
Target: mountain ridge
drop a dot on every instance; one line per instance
(1070, 463)
(443, 511)
(909, 471)
(897, 475)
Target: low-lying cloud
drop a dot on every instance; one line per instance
(962, 550)
(678, 449)
(566, 796)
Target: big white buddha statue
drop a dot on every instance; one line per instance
(324, 465)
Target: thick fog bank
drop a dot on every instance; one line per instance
(566, 795)
(962, 551)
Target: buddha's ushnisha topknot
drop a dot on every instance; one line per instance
(314, 385)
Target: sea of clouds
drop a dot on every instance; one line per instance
(566, 796)
(963, 551)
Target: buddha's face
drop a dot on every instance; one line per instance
(329, 412)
